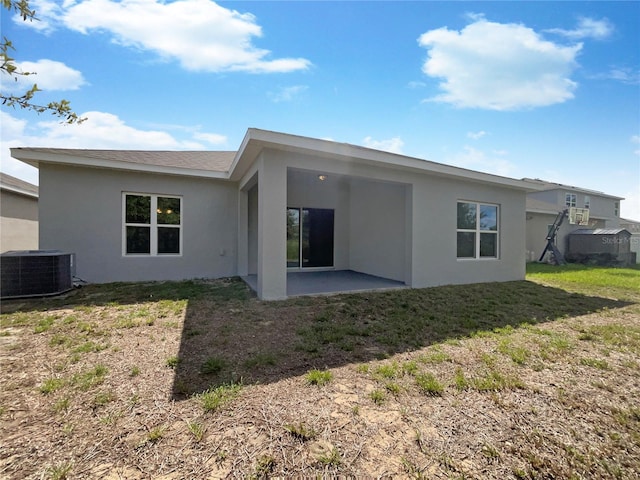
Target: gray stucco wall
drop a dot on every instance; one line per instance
(393, 222)
(18, 222)
(537, 228)
(434, 233)
(252, 220)
(81, 212)
(602, 208)
(378, 229)
(304, 190)
(429, 238)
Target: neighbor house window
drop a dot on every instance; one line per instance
(152, 224)
(616, 209)
(570, 199)
(477, 230)
(587, 201)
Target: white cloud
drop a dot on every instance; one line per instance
(636, 139)
(476, 135)
(622, 74)
(415, 84)
(587, 28)
(393, 145)
(200, 34)
(101, 130)
(104, 131)
(211, 138)
(47, 16)
(630, 206)
(11, 133)
(287, 94)
(47, 74)
(474, 159)
(498, 66)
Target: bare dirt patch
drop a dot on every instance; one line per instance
(512, 380)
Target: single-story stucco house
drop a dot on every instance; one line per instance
(18, 214)
(279, 204)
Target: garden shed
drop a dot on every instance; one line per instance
(601, 246)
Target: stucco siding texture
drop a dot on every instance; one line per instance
(537, 229)
(435, 259)
(81, 211)
(305, 190)
(378, 229)
(18, 222)
(403, 223)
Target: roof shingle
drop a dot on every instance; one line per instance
(213, 161)
(12, 183)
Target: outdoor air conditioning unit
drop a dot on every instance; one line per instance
(35, 273)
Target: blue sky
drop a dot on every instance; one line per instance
(523, 89)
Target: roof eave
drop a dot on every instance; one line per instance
(256, 140)
(542, 186)
(541, 211)
(34, 158)
(19, 191)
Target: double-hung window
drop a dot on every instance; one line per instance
(477, 230)
(570, 199)
(152, 224)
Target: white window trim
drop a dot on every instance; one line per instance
(572, 201)
(587, 202)
(153, 225)
(477, 231)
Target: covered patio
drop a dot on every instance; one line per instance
(330, 282)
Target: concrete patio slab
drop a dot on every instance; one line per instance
(330, 282)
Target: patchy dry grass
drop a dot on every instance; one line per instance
(198, 379)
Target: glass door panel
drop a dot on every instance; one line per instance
(317, 237)
(293, 237)
(310, 237)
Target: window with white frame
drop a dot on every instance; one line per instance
(616, 209)
(570, 199)
(152, 224)
(587, 201)
(477, 230)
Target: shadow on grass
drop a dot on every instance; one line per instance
(131, 293)
(228, 335)
(240, 339)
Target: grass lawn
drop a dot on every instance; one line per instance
(622, 283)
(198, 379)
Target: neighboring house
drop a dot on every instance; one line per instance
(18, 214)
(633, 227)
(544, 204)
(281, 203)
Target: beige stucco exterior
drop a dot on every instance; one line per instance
(394, 216)
(18, 221)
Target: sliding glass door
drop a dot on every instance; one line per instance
(293, 237)
(310, 237)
